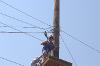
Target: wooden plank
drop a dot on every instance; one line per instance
(56, 62)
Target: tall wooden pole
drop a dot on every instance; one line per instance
(56, 25)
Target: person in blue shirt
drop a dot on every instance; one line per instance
(48, 46)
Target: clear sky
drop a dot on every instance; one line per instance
(79, 18)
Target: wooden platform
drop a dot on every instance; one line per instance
(51, 61)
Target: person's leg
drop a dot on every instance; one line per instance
(52, 54)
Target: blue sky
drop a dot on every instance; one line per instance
(79, 18)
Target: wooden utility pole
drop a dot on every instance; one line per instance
(56, 29)
(49, 60)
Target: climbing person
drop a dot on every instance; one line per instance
(48, 46)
